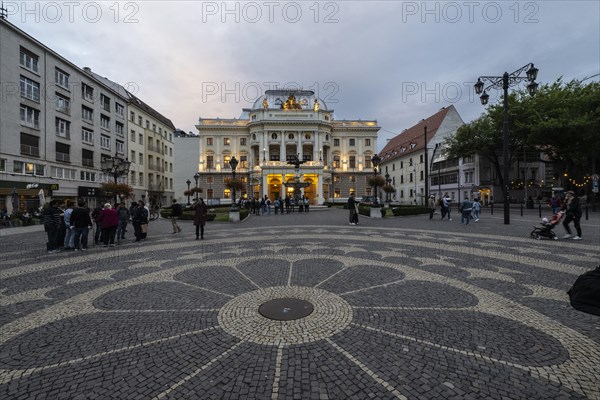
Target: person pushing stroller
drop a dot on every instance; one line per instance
(546, 228)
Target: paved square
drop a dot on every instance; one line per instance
(404, 308)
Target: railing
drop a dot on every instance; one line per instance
(154, 167)
(64, 157)
(87, 162)
(30, 150)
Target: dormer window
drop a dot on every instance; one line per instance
(413, 145)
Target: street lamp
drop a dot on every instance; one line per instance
(504, 82)
(196, 177)
(233, 163)
(375, 160)
(388, 181)
(188, 192)
(115, 166)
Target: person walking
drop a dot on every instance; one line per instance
(69, 232)
(81, 223)
(51, 225)
(431, 204)
(124, 215)
(176, 212)
(95, 216)
(139, 216)
(555, 204)
(466, 209)
(200, 218)
(353, 210)
(572, 209)
(446, 203)
(110, 221)
(276, 205)
(476, 210)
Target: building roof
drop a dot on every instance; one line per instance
(412, 140)
(276, 98)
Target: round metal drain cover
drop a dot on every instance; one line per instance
(286, 309)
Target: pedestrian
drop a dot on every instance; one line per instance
(95, 216)
(69, 232)
(287, 204)
(81, 223)
(306, 204)
(446, 203)
(124, 215)
(466, 209)
(51, 225)
(268, 205)
(110, 220)
(176, 212)
(431, 204)
(476, 210)
(200, 218)
(353, 210)
(555, 203)
(572, 209)
(276, 205)
(139, 217)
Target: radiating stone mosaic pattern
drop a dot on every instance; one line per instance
(398, 314)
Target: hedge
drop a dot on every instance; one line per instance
(189, 214)
(409, 210)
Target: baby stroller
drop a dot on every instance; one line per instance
(546, 228)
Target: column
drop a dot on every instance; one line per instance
(316, 146)
(320, 199)
(299, 145)
(281, 136)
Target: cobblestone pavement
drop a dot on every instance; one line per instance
(404, 308)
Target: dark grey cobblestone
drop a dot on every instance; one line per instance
(403, 308)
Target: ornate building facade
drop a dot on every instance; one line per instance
(280, 126)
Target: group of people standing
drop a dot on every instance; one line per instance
(67, 224)
(279, 205)
(469, 209)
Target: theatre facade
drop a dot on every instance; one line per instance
(280, 127)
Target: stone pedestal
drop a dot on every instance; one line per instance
(375, 212)
(234, 216)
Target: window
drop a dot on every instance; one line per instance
(422, 176)
(39, 169)
(337, 193)
(352, 161)
(119, 128)
(105, 142)
(352, 179)
(62, 173)
(209, 179)
(367, 142)
(141, 139)
(140, 158)
(368, 163)
(209, 193)
(209, 141)
(226, 193)
(132, 137)
(63, 152)
(140, 119)
(147, 124)
(274, 136)
(141, 179)
(87, 92)
(336, 142)
(87, 114)
(30, 117)
(401, 178)
(87, 158)
(120, 146)
(132, 116)
(132, 156)
(30, 145)
(63, 128)
(401, 193)
(105, 102)
(242, 141)
(307, 136)
(210, 163)
(88, 176)
(243, 161)
(226, 141)
(336, 161)
(351, 142)
(63, 104)
(29, 60)
(291, 136)
(410, 177)
(18, 167)
(154, 127)
(170, 152)
(401, 164)
(421, 158)
(30, 89)
(2, 165)
(61, 78)
(119, 109)
(105, 121)
(87, 136)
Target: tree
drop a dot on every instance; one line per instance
(111, 189)
(561, 121)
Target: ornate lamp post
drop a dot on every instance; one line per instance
(115, 166)
(196, 177)
(504, 82)
(375, 160)
(233, 163)
(188, 192)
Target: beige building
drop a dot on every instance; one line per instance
(280, 126)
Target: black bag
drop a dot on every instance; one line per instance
(585, 292)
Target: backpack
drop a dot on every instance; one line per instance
(585, 292)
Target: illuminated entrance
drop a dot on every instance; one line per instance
(276, 188)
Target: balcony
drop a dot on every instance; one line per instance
(155, 167)
(156, 149)
(87, 162)
(63, 157)
(30, 150)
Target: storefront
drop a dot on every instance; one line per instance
(24, 196)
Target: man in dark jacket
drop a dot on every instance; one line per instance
(81, 224)
(124, 215)
(51, 225)
(176, 212)
(139, 217)
(572, 209)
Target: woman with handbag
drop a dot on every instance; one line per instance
(200, 218)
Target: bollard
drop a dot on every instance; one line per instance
(492, 205)
(587, 217)
(521, 210)
(540, 211)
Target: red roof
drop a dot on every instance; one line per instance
(412, 139)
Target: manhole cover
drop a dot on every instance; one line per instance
(286, 309)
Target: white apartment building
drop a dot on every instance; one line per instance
(280, 126)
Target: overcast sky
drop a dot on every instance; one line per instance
(393, 61)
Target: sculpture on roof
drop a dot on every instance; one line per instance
(265, 104)
(291, 103)
(316, 105)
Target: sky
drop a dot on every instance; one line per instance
(396, 62)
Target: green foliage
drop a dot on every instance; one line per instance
(377, 180)
(111, 189)
(409, 210)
